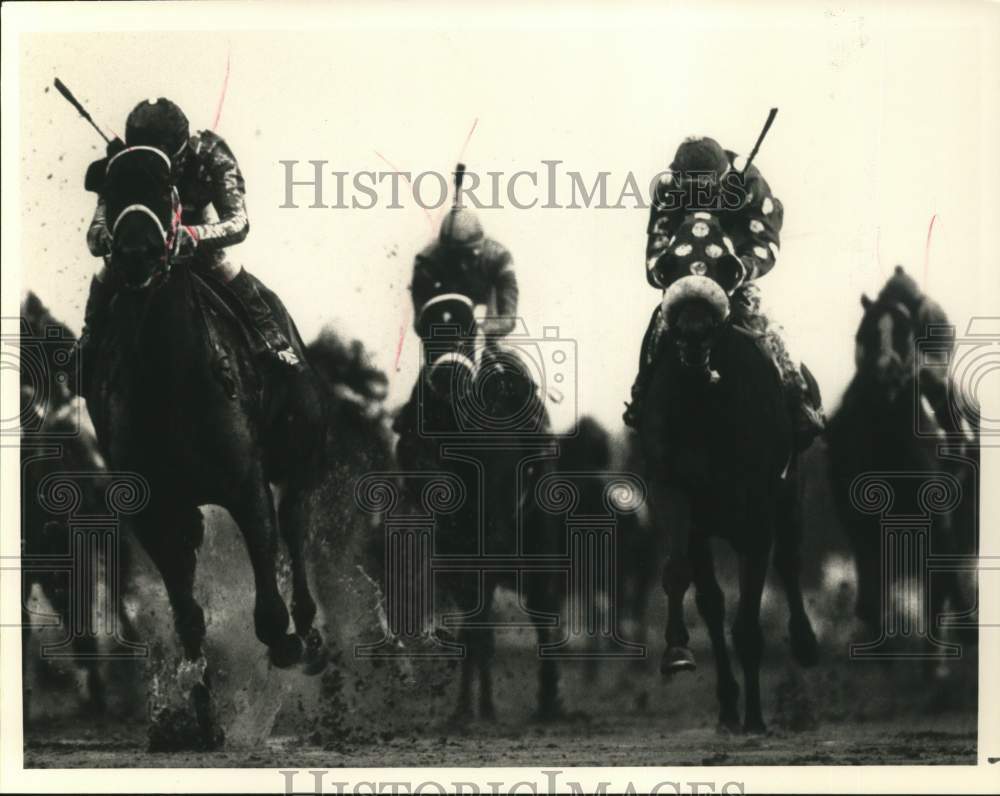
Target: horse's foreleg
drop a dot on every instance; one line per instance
(292, 520)
(747, 635)
(671, 513)
(542, 599)
(485, 652)
(676, 579)
(254, 515)
(712, 607)
(172, 540)
(788, 563)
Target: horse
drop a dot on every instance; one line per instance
(585, 457)
(475, 415)
(178, 398)
(718, 446)
(874, 431)
(56, 444)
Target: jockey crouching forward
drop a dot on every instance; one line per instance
(213, 216)
(705, 177)
(463, 260)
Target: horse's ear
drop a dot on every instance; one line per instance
(865, 301)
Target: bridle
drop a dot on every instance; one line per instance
(167, 235)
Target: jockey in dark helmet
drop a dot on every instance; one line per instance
(463, 260)
(213, 216)
(704, 176)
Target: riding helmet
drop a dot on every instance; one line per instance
(461, 227)
(701, 155)
(158, 123)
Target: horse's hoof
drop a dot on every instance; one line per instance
(805, 647)
(460, 717)
(729, 724)
(755, 727)
(316, 655)
(287, 652)
(676, 660)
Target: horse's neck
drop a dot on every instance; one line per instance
(866, 399)
(171, 336)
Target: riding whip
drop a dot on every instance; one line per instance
(61, 88)
(459, 176)
(760, 139)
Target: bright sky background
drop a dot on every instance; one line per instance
(883, 124)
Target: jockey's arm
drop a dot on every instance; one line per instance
(763, 215)
(661, 227)
(422, 288)
(505, 288)
(228, 198)
(98, 235)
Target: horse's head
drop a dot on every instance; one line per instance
(347, 368)
(884, 345)
(699, 271)
(479, 386)
(447, 325)
(141, 211)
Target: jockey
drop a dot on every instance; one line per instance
(704, 176)
(213, 217)
(463, 260)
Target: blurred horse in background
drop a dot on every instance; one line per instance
(585, 455)
(895, 392)
(57, 443)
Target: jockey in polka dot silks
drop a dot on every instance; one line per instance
(705, 179)
(212, 192)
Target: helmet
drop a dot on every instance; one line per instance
(699, 154)
(158, 123)
(461, 227)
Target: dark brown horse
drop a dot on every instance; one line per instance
(178, 399)
(717, 439)
(477, 419)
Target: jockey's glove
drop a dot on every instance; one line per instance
(103, 242)
(185, 242)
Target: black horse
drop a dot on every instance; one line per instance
(177, 397)
(477, 417)
(874, 431)
(717, 439)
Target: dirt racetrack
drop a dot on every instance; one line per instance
(840, 713)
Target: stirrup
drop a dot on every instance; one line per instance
(630, 417)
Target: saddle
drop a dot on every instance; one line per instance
(216, 298)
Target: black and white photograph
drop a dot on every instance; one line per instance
(482, 398)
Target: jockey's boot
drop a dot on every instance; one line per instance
(95, 316)
(633, 409)
(807, 418)
(276, 345)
